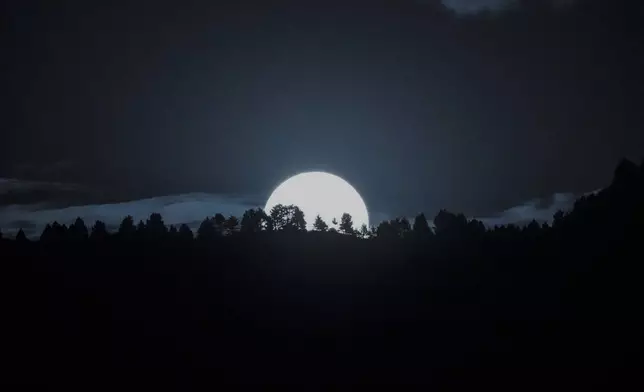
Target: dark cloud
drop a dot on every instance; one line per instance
(30, 205)
(14, 191)
(176, 209)
(473, 6)
(541, 210)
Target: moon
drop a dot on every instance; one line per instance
(321, 193)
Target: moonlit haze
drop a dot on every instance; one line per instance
(320, 193)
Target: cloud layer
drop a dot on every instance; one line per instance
(540, 210)
(192, 208)
(473, 6)
(176, 209)
(30, 205)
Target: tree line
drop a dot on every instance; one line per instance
(627, 184)
(282, 218)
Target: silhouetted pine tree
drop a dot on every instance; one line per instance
(421, 228)
(475, 228)
(207, 230)
(58, 232)
(219, 221)
(558, 219)
(279, 217)
(319, 224)
(231, 225)
(141, 231)
(21, 237)
(99, 231)
(449, 224)
(155, 227)
(298, 223)
(254, 221)
(402, 227)
(532, 228)
(78, 231)
(127, 230)
(364, 231)
(346, 224)
(287, 218)
(47, 234)
(386, 230)
(185, 233)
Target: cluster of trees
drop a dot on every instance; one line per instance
(290, 218)
(282, 218)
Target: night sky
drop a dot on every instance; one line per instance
(420, 105)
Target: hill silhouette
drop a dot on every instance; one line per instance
(258, 300)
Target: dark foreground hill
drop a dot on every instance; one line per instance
(537, 307)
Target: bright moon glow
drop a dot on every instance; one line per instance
(320, 193)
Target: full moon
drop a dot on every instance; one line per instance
(320, 193)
